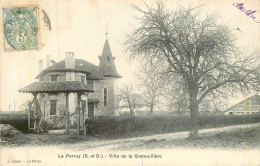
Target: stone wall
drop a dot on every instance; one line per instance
(58, 120)
(111, 108)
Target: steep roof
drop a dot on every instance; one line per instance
(106, 64)
(92, 71)
(254, 97)
(55, 87)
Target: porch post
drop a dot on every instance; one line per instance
(36, 116)
(85, 113)
(67, 115)
(78, 111)
(83, 123)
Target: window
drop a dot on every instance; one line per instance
(53, 107)
(248, 103)
(81, 64)
(91, 84)
(105, 96)
(54, 78)
(83, 79)
(255, 102)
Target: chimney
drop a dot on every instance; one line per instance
(70, 61)
(48, 61)
(40, 65)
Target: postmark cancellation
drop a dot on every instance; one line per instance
(21, 28)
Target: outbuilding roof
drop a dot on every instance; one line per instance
(254, 97)
(56, 87)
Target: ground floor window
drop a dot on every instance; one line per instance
(90, 109)
(105, 97)
(53, 107)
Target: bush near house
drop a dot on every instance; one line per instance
(141, 125)
(17, 120)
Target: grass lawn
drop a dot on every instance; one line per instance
(241, 138)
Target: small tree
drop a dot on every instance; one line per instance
(213, 104)
(175, 94)
(129, 99)
(151, 80)
(198, 48)
(26, 106)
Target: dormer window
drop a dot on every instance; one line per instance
(83, 79)
(54, 78)
(81, 64)
(91, 84)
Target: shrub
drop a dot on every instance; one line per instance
(18, 121)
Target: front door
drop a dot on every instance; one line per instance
(90, 109)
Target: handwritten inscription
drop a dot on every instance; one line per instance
(46, 20)
(249, 13)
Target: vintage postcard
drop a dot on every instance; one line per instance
(129, 82)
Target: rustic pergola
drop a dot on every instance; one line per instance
(57, 88)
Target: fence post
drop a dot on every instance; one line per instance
(29, 115)
(29, 120)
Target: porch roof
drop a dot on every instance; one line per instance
(56, 87)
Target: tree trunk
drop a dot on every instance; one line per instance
(151, 110)
(194, 114)
(131, 112)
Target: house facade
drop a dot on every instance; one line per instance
(102, 79)
(249, 106)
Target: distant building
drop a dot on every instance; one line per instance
(250, 105)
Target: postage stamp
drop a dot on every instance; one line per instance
(21, 28)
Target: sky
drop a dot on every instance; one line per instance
(79, 26)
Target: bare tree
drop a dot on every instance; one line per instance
(198, 48)
(26, 106)
(129, 99)
(213, 104)
(151, 80)
(175, 94)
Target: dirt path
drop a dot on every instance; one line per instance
(217, 137)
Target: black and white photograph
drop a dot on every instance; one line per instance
(129, 82)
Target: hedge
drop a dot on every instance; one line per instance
(115, 126)
(18, 121)
(142, 125)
